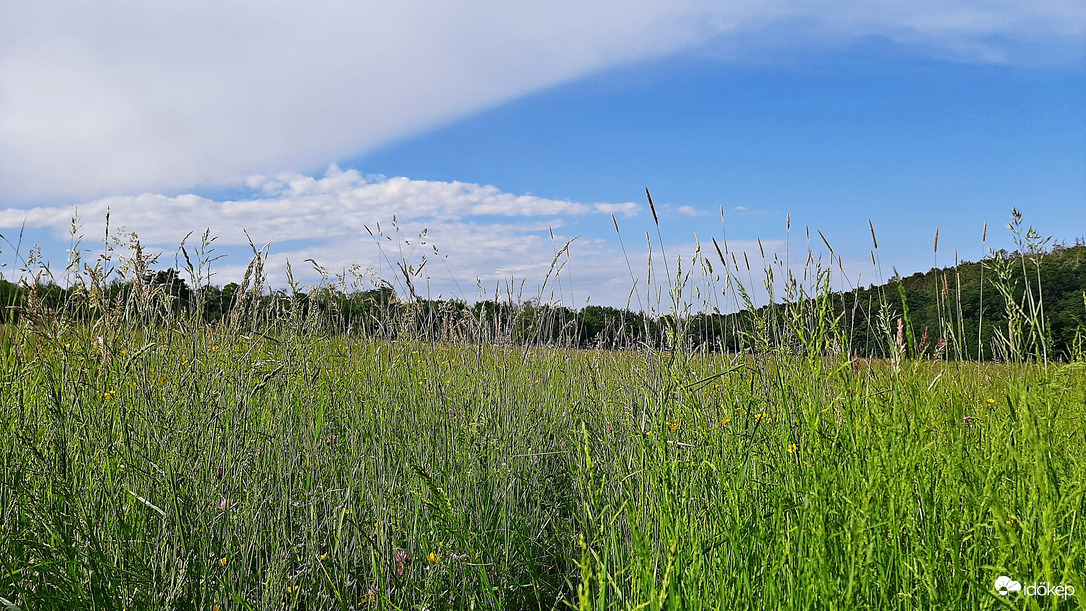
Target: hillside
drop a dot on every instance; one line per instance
(1036, 302)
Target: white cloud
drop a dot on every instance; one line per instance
(485, 233)
(485, 238)
(119, 96)
(298, 207)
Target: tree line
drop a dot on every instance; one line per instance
(1012, 304)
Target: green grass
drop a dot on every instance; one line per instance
(269, 463)
(542, 478)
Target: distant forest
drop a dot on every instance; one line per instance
(1026, 304)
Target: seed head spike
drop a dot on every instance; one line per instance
(651, 207)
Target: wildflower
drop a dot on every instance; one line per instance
(793, 448)
(222, 561)
(291, 589)
(991, 402)
(432, 557)
(347, 511)
(726, 420)
(403, 562)
(323, 556)
(674, 425)
(215, 348)
(215, 608)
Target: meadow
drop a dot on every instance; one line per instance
(268, 462)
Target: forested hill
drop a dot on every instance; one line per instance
(1010, 305)
(1030, 303)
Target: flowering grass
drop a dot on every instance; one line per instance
(150, 461)
(160, 469)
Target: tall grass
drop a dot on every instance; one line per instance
(150, 461)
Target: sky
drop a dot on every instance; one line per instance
(475, 139)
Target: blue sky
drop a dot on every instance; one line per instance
(494, 128)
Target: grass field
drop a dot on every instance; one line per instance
(175, 465)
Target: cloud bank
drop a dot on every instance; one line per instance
(115, 96)
(482, 234)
